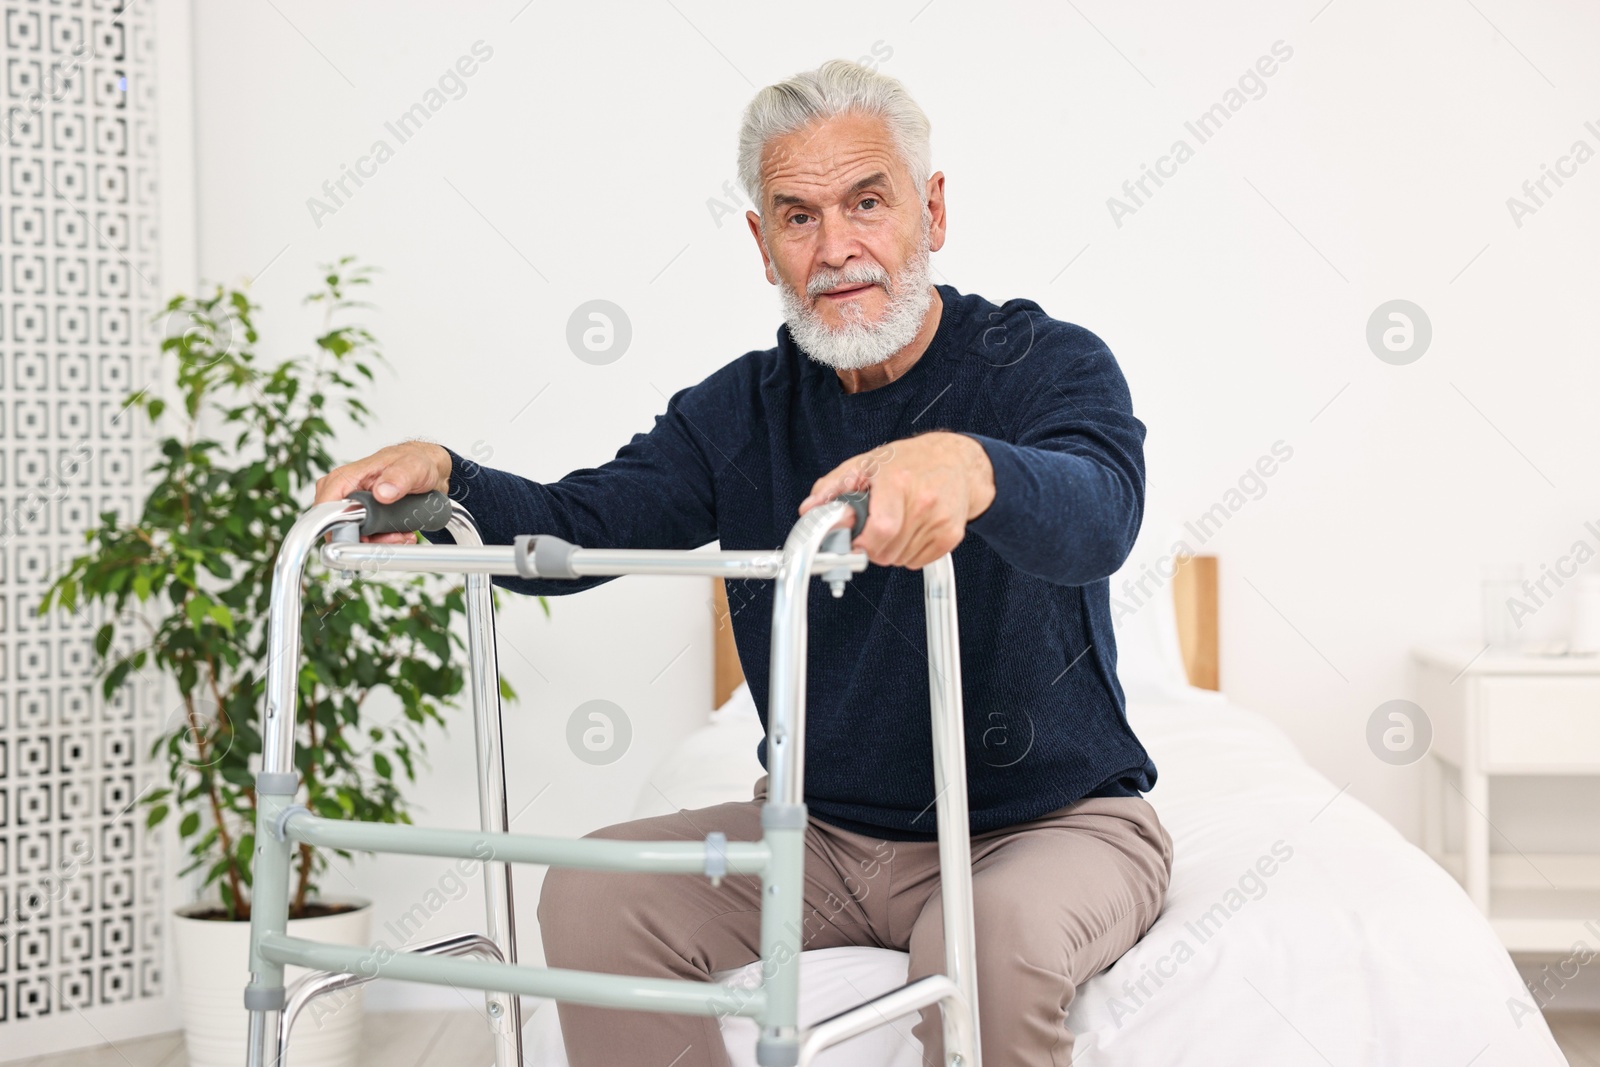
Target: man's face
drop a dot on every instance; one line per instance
(844, 231)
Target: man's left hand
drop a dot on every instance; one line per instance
(925, 489)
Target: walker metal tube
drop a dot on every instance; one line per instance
(871, 1014)
(505, 1009)
(783, 816)
(950, 799)
(371, 558)
(283, 629)
(786, 699)
(586, 562)
(276, 784)
(323, 983)
(957, 990)
(594, 854)
(264, 1045)
(679, 996)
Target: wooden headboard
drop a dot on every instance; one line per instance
(1194, 594)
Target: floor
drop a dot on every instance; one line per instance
(392, 1039)
(425, 1038)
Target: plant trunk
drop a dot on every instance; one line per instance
(241, 906)
(298, 909)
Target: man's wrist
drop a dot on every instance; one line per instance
(441, 462)
(980, 477)
(443, 465)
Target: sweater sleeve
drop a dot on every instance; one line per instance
(1069, 478)
(658, 492)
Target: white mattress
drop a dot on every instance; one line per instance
(1356, 950)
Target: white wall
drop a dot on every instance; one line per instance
(580, 162)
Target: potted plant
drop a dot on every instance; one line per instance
(184, 589)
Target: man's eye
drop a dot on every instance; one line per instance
(798, 217)
(869, 203)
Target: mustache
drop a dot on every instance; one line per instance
(865, 274)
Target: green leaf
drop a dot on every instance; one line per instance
(248, 439)
(327, 807)
(114, 679)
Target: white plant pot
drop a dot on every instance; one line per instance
(214, 965)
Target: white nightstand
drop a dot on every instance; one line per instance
(1511, 715)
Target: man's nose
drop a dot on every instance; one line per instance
(836, 245)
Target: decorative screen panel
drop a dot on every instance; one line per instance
(80, 883)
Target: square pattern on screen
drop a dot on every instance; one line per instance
(80, 893)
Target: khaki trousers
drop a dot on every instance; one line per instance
(1056, 900)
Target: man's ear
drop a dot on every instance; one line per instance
(935, 201)
(755, 231)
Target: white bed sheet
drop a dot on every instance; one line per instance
(1355, 950)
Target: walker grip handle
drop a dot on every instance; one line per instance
(858, 502)
(419, 511)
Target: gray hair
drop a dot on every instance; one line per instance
(835, 87)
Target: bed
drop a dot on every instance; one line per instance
(1300, 927)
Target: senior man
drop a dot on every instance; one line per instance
(963, 418)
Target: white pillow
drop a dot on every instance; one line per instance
(1145, 621)
(740, 705)
(713, 765)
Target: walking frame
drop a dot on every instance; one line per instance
(818, 545)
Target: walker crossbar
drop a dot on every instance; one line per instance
(580, 987)
(323, 983)
(817, 546)
(665, 857)
(586, 562)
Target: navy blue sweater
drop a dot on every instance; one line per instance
(734, 455)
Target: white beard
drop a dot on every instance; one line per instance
(859, 343)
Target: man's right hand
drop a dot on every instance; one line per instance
(390, 473)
